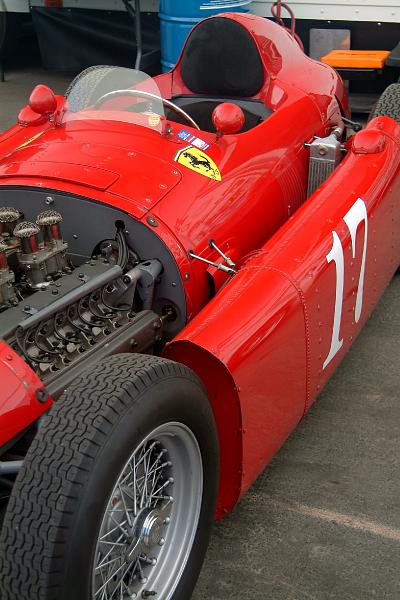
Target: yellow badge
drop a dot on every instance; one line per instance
(153, 119)
(198, 161)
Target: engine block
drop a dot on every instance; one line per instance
(59, 316)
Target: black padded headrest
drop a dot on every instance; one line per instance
(222, 59)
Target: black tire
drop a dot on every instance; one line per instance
(389, 103)
(53, 519)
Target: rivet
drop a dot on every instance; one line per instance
(151, 221)
(42, 395)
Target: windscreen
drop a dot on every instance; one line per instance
(115, 94)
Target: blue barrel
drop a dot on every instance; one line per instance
(178, 17)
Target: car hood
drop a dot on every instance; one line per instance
(136, 165)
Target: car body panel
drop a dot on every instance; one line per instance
(272, 324)
(19, 403)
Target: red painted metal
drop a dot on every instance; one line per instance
(29, 118)
(19, 405)
(42, 100)
(228, 118)
(271, 326)
(260, 346)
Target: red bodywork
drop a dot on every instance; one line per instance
(261, 344)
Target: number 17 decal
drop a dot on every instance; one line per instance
(356, 215)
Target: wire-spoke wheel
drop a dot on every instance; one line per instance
(151, 518)
(116, 497)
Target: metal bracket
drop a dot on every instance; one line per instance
(229, 270)
(353, 124)
(226, 258)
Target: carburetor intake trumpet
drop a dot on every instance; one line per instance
(41, 261)
(8, 220)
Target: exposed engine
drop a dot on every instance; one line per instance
(59, 315)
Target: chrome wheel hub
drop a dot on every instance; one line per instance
(146, 533)
(151, 529)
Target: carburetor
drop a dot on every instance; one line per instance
(9, 218)
(41, 262)
(7, 278)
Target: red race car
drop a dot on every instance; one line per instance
(184, 261)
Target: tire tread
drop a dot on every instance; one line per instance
(46, 493)
(389, 103)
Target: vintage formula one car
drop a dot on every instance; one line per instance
(184, 261)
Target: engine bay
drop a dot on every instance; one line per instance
(60, 309)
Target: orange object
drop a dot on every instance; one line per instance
(356, 59)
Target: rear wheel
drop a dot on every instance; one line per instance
(389, 103)
(116, 497)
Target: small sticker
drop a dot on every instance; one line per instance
(153, 119)
(186, 136)
(31, 139)
(196, 160)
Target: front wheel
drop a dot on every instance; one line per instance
(116, 497)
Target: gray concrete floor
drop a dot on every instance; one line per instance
(323, 520)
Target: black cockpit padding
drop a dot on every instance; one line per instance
(222, 59)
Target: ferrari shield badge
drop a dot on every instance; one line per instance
(198, 161)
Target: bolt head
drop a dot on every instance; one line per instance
(161, 541)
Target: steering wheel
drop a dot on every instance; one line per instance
(149, 96)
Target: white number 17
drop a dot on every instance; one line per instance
(356, 215)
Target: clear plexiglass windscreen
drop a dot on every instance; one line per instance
(115, 94)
